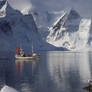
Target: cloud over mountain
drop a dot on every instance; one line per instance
(82, 6)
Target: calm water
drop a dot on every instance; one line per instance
(55, 72)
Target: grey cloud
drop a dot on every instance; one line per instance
(84, 7)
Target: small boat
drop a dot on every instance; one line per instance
(24, 58)
(33, 57)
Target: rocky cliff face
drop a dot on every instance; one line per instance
(17, 30)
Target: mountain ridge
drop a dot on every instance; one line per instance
(71, 32)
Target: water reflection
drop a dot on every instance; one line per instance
(7, 70)
(55, 72)
(70, 71)
(26, 74)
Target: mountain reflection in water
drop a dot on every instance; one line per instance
(55, 72)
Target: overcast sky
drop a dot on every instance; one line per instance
(84, 7)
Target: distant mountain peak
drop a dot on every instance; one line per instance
(73, 14)
(2, 3)
(7, 10)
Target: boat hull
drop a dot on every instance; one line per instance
(27, 58)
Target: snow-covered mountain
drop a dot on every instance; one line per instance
(71, 31)
(44, 20)
(67, 30)
(17, 29)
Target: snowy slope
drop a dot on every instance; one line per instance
(17, 30)
(71, 31)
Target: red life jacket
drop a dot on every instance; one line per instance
(18, 50)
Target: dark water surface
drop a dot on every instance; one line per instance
(54, 72)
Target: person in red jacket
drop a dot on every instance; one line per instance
(18, 50)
